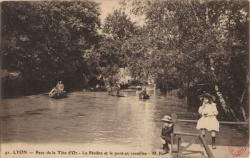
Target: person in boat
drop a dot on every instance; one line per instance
(208, 120)
(60, 87)
(166, 131)
(118, 89)
(109, 89)
(143, 94)
(58, 90)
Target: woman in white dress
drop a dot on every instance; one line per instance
(208, 120)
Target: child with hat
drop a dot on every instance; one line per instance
(208, 120)
(167, 130)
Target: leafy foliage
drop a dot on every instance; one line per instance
(196, 42)
(46, 41)
(182, 44)
(119, 25)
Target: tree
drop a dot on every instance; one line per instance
(119, 25)
(201, 42)
(46, 41)
(108, 54)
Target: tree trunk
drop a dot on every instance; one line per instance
(225, 107)
(242, 98)
(243, 113)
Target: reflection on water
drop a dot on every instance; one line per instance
(56, 105)
(90, 117)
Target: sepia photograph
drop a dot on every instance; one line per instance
(124, 79)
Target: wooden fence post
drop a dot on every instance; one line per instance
(208, 151)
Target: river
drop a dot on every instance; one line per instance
(96, 118)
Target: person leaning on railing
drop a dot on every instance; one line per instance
(208, 120)
(167, 130)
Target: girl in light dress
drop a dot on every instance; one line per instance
(208, 120)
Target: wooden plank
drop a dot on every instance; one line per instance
(208, 151)
(186, 134)
(203, 141)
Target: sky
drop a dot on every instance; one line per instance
(108, 6)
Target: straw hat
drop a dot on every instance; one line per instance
(167, 118)
(208, 96)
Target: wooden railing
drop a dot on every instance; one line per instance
(221, 122)
(176, 143)
(175, 146)
(174, 117)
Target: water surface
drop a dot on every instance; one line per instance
(96, 118)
